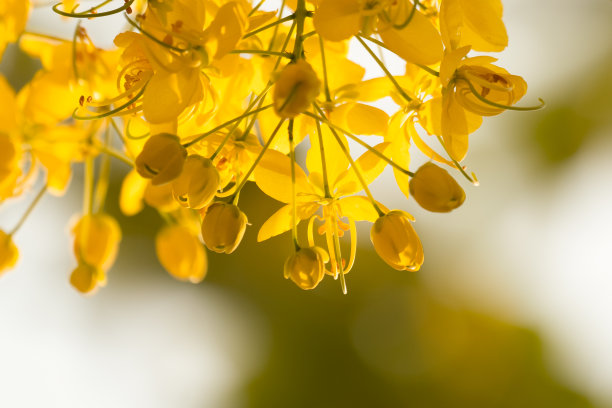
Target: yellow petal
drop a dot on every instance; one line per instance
(282, 219)
(8, 113)
(419, 42)
(358, 208)
(335, 159)
(367, 120)
(483, 26)
(227, 28)
(273, 177)
(370, 166)
(337, 20)
(168, 94)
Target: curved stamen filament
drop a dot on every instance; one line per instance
(499, 105)
(98, 104)
(92, 12)
(113, 112)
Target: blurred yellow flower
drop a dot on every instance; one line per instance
(180, 252)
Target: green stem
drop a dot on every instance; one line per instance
(31, 207)
(356, 139)
(254, 9)
(102, 185)
(256, 162)
(357, 171)
(324, 64)
(274, 24)
(221, 126)
(263, 52)
(300, 17)
(88, 190)
(293, 194)
(323, 162)
(382, 44)
(275, 33)
(386, 71)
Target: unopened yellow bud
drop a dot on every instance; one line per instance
(8, 252)
(223, 227)
(197, 184)
(306, 267)
(85, 278)
(435, 190)
(396, 241)
(96, 240)
(181, 253)
(296, 89)
(161, 159)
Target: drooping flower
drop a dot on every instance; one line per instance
(181, 253)
(396, 241)
(96, 240)
(223, 227)
(196, 186)
(435, 190)
(162, 158)
(295, 89)
(306, 267)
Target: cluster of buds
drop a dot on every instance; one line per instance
(200, 98)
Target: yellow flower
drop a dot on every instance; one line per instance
(418, 41)
(306, 267)
(223, 227)
(161, 159)
(489, 81)
(436, 190)
(197, 184)
(477, 23)
(13, 17)
(296, 89)
(396, 241)
(8, 252)
(181, 253)
(86, 278)
(96, 240)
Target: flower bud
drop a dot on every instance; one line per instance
(85, 278)
(161, 159)
(306, 267)
(396, 241)
(96, 240)
(197, 184)
(181, 253)
(296, 88)
(223, 227)
(435, 189)
(8, 252)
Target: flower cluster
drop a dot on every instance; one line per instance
(200, 97)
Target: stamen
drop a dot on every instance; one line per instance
(93, 12)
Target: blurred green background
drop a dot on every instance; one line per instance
(510, 309)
